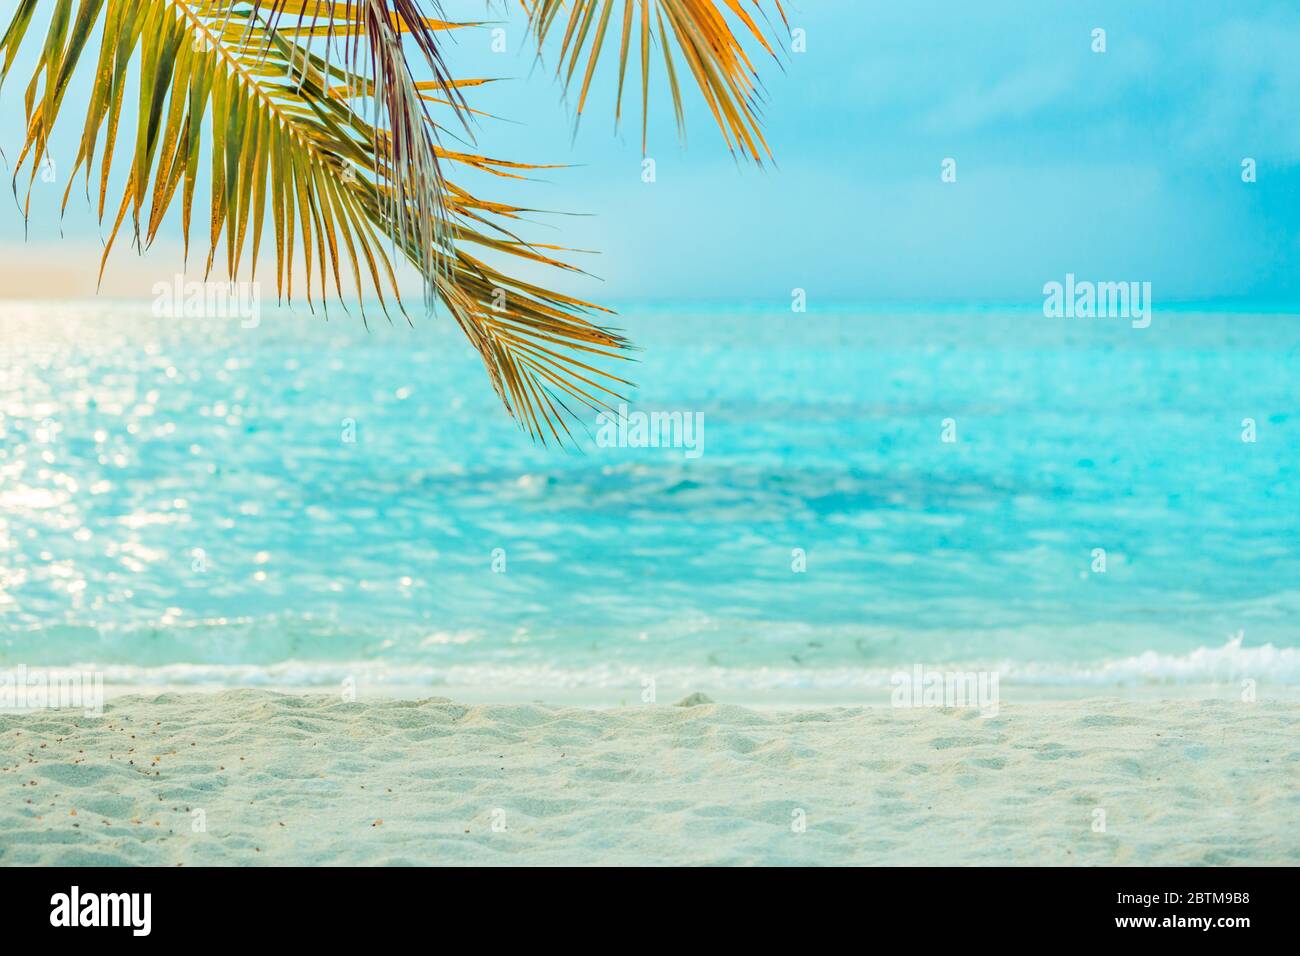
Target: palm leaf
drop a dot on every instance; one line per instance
(340, 187)
(709, 45)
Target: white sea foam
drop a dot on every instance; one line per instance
(1265, 664)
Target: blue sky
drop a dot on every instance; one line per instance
(1123, 165)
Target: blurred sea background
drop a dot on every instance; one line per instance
(180, 505)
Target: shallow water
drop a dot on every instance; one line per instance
(178, 502)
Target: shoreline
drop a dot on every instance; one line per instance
(607, 698)
(309, 779)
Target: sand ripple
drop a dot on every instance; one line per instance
(251, 777)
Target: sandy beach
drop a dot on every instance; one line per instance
(253, 777)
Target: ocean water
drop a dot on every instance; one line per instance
(180, 502)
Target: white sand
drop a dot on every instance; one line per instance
(285, 779)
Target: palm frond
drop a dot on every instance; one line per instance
(709, 45)
(536, 344)
(409, 165)
(342, 176)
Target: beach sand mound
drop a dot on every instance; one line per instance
(694, 700)
(250, 777)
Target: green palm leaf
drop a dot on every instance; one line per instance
(287, 146)
(311, 118)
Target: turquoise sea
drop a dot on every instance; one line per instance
(193, 501)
